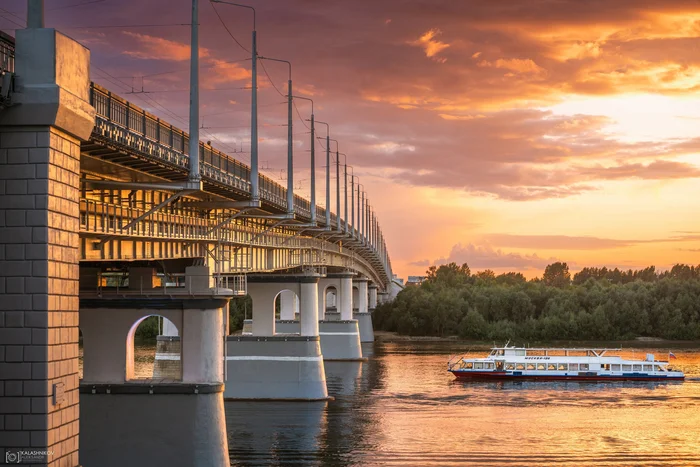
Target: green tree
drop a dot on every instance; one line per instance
(557, 275)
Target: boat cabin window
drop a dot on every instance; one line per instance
(468, 365)
(615, 367)
(583, 366)
(488, 366)
(519, 366)
(659, 368)
(636, 367)
(573, 366)
(648, 368)
(541, 366)
(552, 366)
(510, 366)
(478, 366)
(530, 366)
(626, 367)
(605, 366)
(561, 366)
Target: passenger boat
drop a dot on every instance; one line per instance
(551, 364)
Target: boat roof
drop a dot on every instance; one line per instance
(571, 349)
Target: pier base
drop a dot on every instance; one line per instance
(340, 340)
(364, 321)
(280, 367)
(187, 420)
(332, 316)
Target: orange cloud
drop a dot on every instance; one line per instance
(430, 45)
(157, 48)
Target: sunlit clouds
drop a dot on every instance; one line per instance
(431, 45)
(504, 134)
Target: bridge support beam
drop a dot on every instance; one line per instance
(340, 338)
(186, 414)
(39, 244)
(268, 365)
(345, 305)
(372, 297)
(363, 316)
(289, 306)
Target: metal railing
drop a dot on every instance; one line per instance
(229, 285)
(119, 121)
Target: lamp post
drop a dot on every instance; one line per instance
(290, 142)
(352, 201)
(328, 174)
(194, 95)
(345, 185)
(313, 159)
(359, 211)
(254, 175)
(337, 186)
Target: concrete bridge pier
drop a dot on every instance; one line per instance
(362, 315)
(121, 412)
(40, 137)
(373, 289)
(168, 347)
(271, 365)
(289, 306)
(340, 335)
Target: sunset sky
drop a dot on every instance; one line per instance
(507, 134)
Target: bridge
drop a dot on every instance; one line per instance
(102, 225)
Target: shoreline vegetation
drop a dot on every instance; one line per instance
(636, 307)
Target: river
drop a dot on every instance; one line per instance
(401, 407)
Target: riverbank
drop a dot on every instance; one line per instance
(640, 342)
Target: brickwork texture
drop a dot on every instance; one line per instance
(39, 274)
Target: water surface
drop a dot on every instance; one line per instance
(402, 408)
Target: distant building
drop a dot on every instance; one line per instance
(414, 281)
(397, 279)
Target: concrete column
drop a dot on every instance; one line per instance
(288, 305)
(202, 343)
(345, 307)
(263, 296)
(362, 295)
(372, 297)
(309, 306)
(39, 246)
(169, 328)
(168, 363)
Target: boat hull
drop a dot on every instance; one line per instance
(503, 375)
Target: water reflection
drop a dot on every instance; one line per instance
(401, 407)
(273, 432)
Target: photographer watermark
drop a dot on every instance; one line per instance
(27, 456)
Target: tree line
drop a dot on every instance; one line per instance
(596, 304)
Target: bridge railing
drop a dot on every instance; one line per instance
(128, 124)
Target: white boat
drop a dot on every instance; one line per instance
(553, 364)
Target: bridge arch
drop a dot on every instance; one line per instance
(172, 361)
